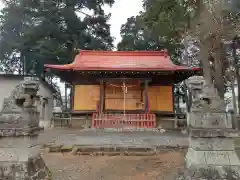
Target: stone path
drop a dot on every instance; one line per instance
(70, 137)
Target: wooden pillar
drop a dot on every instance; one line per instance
(102, 93)
(66, 99)
(146, 95)
(71, 98)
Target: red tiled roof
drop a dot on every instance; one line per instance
(121, 60)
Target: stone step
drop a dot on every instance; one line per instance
(124, 129)
(108, 150)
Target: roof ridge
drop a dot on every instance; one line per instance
(121, 60)
(124, 53)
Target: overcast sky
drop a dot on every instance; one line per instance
(120, 11)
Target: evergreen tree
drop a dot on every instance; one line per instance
(44, 31)
(137, 36)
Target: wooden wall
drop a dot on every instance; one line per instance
(86, 97)
(114, 98)
(161, 98)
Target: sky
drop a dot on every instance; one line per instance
(120, 12)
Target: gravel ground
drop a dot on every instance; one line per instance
(163, 166)
(160, 167)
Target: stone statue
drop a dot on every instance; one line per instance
(19, 113)
(207, 109)
(22, 93)
(19, 128)
(211, 154)
(195, 84)
(203, 96)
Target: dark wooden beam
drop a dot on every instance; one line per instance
(146, 96)
(155, 79)
(102, 93)
(173, 97)
(73, 97)
(169, 76)
(65, 94)
(125, 78)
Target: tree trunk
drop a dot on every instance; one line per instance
(22, 60)
(235, 123)
(185, 62)
(188, 100)
(204, 58)
(238, 89)
(235, 64)
(208, 26)
(218, 75)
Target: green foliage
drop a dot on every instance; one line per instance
(48, 31)
(166, 18)
(160, 26)
(136, 36)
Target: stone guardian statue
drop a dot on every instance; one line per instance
(19, 128)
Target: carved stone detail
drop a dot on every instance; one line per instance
(19, 112)
(204, 97)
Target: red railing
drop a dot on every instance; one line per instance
(123, 121)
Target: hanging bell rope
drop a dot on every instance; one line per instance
(125, 87)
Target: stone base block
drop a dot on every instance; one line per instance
(33, 169)
(210, 173)
(216, 162)
(20, 159)
(17, 132)
(223, 158)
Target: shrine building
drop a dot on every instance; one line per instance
(122, 89)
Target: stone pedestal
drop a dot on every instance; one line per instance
(211, 154)
(20, 159)
(19, 128)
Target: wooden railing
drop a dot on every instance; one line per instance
(123, 120)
